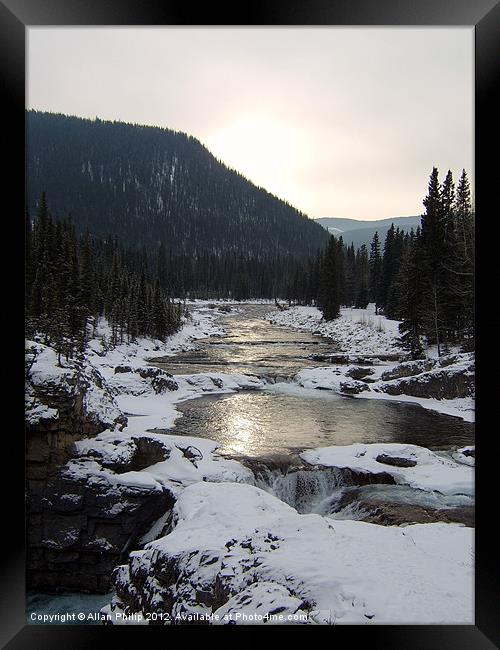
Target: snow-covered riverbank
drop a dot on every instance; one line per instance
(356, 332)
(360, 333)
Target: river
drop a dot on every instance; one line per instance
(285, 418)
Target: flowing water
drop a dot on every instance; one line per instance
(267, 429)
(284, 417)
(251, 346)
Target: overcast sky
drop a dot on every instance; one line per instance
(338, 121)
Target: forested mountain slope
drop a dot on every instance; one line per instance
(148, 185)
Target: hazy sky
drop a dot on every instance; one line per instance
(338, 121)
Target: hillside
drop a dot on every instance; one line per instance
(148, 185)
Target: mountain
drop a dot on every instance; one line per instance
(149, 185)
(358, 232)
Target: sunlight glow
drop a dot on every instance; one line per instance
(260, 147)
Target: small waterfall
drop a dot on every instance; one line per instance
(303, 489)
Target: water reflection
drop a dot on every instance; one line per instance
(259, 423)
(252, 345)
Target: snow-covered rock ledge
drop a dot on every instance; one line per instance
(236, 554)
(410, 465)
(445, 385)
(72, 390)
(116, 493)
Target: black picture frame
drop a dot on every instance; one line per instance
(484, 16)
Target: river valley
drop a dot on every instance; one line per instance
(267, 429)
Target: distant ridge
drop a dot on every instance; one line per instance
(358, 232)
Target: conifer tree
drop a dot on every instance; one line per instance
(362, 273)
(330, 290)
(375, 268)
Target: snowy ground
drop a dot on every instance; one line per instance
(357, 331)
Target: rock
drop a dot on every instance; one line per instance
(88, 519)
(408, 368)
(151, 372)
(331, 358)
(438, 384)
(398, 514)
(162, 384)
(366, 361)
(217, 382)
(396, 461)
(353, 387)
(452, 359)
(357, 372)
(120, 369)
(235, 550)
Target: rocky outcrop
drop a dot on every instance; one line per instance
(235, 551)
(160, 380)
(395, 461)
(408, 368)
(89, 513)
(66, 401)
(357, 372)
(448, 377)
(446, 383)
(394, 513)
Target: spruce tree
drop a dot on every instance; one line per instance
(375, 268)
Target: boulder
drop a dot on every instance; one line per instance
(120, 369)
(353, 387)
(408, 369)
(446, 383)
(396, 461)
(356, 372)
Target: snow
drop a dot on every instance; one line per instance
(201, 323)
(362, 332)
(187, 461)
(433, 471)
(356, 331)
(266, 558)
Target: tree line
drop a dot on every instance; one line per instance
(424, 278)
(71, 281)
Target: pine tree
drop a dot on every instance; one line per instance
(330, 289)
(412, 286)
(362, 272)
(375, 268)
(433, 250)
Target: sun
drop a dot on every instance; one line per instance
(261, 147)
